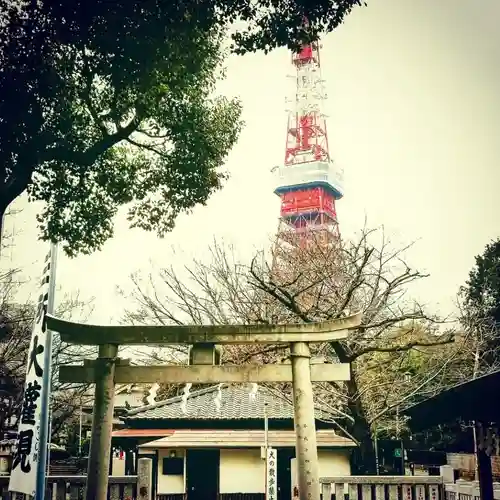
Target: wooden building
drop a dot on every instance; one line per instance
(470, 401)
(210, 446)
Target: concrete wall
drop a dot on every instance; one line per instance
(331, 463)
(241, 471)
(118, 466)
(334, 463)
(134, 399)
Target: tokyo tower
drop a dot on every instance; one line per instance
(309, 184)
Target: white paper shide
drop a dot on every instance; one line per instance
(25, 460)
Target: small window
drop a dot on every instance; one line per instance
(173, 466)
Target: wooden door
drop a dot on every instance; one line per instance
(202, 474)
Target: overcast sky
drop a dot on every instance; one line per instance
(414, 119)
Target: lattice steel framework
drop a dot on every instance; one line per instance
(309, 183)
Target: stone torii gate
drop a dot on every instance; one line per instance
(108, 370)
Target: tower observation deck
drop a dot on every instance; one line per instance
(309, 183)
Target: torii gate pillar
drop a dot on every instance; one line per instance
(107, 370)
(306, 450)
(102, 424)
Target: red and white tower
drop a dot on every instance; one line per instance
(306, 250)
(309, 183)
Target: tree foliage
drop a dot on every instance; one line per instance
(110, 103)
(271, 24)
(392, 381)
(481, 305)
(317, 283)
(111, 106)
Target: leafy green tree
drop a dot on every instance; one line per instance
(481, 305)
(110, 103)
(112, 109)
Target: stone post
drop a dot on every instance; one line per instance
(144, 479)
(447, 473)
(483, 461)
(305, 429)
(102, 424)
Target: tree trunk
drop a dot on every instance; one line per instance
(2, 218)
(6, 198)
(364, 458)
(3, 212)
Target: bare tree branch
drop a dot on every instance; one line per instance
(397, 355)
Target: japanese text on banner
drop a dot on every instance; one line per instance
(25, 460)
(271, 475)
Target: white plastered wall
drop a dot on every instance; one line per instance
(241, 471)
(171, 484)
(331, 463)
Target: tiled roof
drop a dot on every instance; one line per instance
(236, 404)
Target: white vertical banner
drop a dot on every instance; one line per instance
(23, 476)
(271, 474)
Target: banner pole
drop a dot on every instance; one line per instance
(42, 465)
